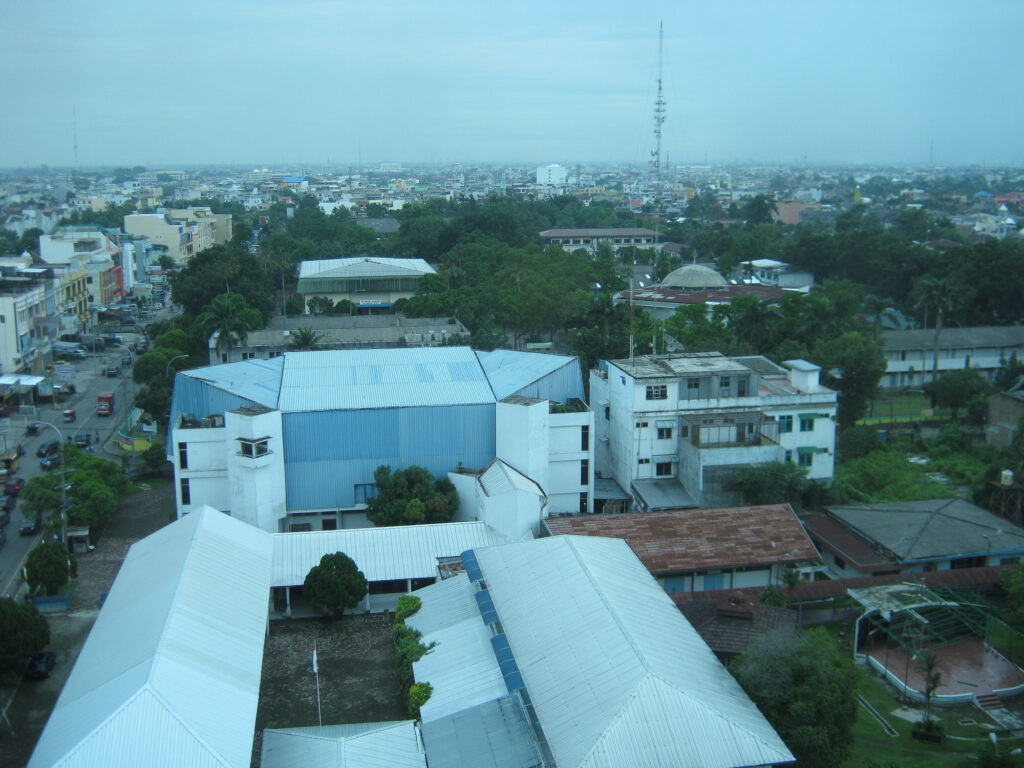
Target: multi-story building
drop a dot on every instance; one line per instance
(87, 264)
(292, 443)
(209, 228)
(590, 240)
(672, 430)
(173, 237)
(910, 356)
(27, 325)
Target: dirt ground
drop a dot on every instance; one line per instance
(32, 701)
(358, 678)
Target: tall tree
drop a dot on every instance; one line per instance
(23, 632)
(231, 318)
(49, 566)
(853, 365)
(928, 665)
(805, 685)
(305, 338)
(938, 294)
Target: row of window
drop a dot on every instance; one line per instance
(786, 423)
(661, 468)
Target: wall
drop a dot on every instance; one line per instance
(257, 484)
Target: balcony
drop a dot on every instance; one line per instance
(760, 432)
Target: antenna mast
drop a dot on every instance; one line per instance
(659, 110)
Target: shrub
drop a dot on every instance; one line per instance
(419, 694)
(407, 606)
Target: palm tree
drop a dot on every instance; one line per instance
(231, 318)
(305, 338)
(938, 293)
(876, 307)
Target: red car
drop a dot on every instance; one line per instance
(13, 486)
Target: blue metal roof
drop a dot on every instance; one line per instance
(492, 735)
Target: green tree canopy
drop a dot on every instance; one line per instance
(853, 365)
(231, 318)
(956, 389)
(305, 338)
(23, 632)
(47, 566)
(805, 685)
(773, 482)
(334, 585)
(436, 501)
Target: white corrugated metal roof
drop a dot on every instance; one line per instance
(382, 378)
(382, 554)
(500, 478)
(463, 658)
(618, 676)
(186, 615)
(362, 745)
(510, 371)
(364, 266)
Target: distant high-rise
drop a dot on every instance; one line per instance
(553, 175)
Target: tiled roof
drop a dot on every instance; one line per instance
(695, 539)
(726, 632)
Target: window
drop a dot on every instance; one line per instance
(585, 438)
(643, 461)
(786, 423)
(223, 357)
(741, 386)
(806, 423)
(724, 382)
(183, 455)
(330, 525)
(363, 492)
(607, 412)
(684, 430)
(585, 472)
(657, 392)
(642, 424)
(692, 389)
(804, 459)
(664, 433)
(840, 563)
(186, 494)
(663, 469)
(583, 503)
(252, 449)
(789, 456)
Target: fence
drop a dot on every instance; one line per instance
(52, 604)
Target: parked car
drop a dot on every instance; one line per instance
(40, 665)
(50, 448)
(126, 361)
(28, 527)
(112, 371)
(13, 486)
(50, 463)
(82, 439)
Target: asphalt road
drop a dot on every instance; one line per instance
(89, 382)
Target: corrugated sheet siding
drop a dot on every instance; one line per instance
(559, 385)
(327, 453)
(511, 372)
(201, 398)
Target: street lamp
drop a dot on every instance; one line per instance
(167, 369)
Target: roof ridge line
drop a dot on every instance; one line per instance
(156, 694)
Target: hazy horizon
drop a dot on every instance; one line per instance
(316, 82)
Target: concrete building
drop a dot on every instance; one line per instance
(28, 321)
(209, 228)
(171, 237)
(589, 240)
(88, 264)
(371, 283)
(292, 443)
(910, 355)
(672, 430)
(1005, 412)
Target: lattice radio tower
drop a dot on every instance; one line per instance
(659, 110)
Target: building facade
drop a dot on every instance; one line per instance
(672, 430)
(292, 443)
(370, 283)
(910, 355)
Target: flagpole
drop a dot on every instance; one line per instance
(316, 674)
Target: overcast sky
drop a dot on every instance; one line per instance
(441, 81)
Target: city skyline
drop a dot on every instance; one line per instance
(353, 82)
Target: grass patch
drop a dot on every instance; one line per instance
(872, 746)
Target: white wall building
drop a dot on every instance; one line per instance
(553, 175)
(672, 430)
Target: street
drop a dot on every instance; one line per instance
(89, 382)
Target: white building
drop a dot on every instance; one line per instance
(910, 354)
(291, 443)
(672, 430)
(552, 176)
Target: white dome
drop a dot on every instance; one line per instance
(694, 277)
